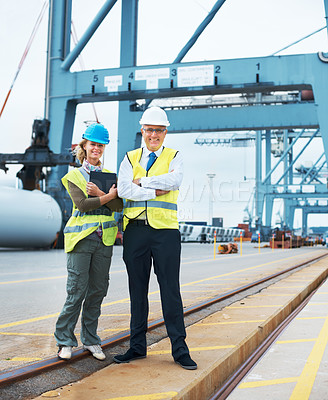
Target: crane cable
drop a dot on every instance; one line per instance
(28, 46)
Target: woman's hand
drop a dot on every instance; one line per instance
(93, 190)
(106, 197)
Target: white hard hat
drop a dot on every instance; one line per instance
(154, 116)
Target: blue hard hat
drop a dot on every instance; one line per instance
(96, 133)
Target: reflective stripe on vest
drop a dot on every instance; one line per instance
(84, 227)
(149, 203)
(80, 228)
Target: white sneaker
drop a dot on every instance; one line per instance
(96, 351)
(65, 353)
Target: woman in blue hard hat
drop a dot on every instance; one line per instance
(89, 236)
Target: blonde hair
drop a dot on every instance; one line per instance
(79, 151)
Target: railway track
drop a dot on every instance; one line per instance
(36, 370)
(227, 388)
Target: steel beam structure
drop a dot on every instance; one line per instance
(130, 83)
(284, 186)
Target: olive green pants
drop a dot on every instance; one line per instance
(87, 282)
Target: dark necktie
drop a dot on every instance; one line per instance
(152, 158)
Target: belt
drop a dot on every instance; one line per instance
(139, 222)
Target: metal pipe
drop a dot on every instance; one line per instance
(283, 155)
(311, 169)
(211, 198)
(268, 201)
(298, 155)
(195, 36)
(258, 179)
(303, 38)
(319, 169)
(285, 201)
(72, 56)
(199, 30)
(326, 13)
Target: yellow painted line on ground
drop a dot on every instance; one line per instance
(48, 278)
(305, 382)
(222, 256)
(266, 306)
(211, 295)
(210, 284)
(116, 315)
(204, 298)
(24, 359)
(116, 302)
(295, 341)
(229, 280)
(116, 329)
(160, 352)
(287, 287)
(25, 334)
(269, 295)
(27, 321)
(243, 270)
(304, 318)
(153, 396)
(249, 385)
(197, 291)
(229, 322)
(34, 280)
(127, 300)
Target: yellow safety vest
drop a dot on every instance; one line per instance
(161, 212)
(80, 225)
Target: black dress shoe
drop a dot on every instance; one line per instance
(186, 362)
(128, 356)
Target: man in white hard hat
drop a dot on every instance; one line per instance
(149, 179)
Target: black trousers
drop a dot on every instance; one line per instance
(143, 245)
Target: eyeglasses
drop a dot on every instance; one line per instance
(149, 131)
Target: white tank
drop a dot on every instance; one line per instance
(28, 218)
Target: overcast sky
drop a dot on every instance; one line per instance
(242, 28)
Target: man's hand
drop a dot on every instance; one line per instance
(160, 192)
(136, 181)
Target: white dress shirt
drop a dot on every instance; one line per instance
(170, 181)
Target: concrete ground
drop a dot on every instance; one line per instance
(33, 290)
(220, 342)
(296, 365)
